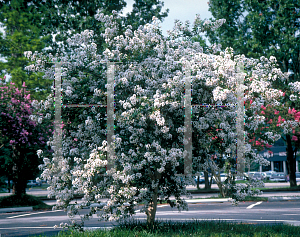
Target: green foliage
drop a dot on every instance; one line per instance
(22, 33)
(143, 11)
(260, 28)
(229, 34)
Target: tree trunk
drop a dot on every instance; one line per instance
(206, 180)
(8, 185)
(291, 162)
(19, 183)
(20, 187)
(221, 187)
(14, 189)
(198, 181)
(152, 209)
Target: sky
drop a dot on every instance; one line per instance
(179, 9)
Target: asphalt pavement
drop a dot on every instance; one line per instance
(196, 198)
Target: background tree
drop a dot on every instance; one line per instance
(21, 137)
(22, 33)
(31, 24)
(256, 28)
(278, 119)
(143, 11)
(230, 34)
(260, 28)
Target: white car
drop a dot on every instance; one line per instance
(269, 174)
(278, 177)
(297, 176)
(223, 177)
(256, 175)
(33, 183)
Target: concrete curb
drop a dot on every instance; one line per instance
(209, 200)
(15, 209)
(196, 200)
(274, 199)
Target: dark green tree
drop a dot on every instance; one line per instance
(143, 12)
(256, 28)
(22, 33)
(230, 34)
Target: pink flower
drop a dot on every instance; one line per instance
(257, 143)
(269, 146)
(297, 115)
(294, 138)
(290, 111)
(276, 112)
(263, 107)
(262, 112)
(251, 101)
(75, 139)
(279, 119)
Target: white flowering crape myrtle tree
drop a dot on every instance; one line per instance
(149, 117)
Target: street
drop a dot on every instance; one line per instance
(30, 223)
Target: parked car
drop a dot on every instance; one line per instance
(297, 176)
(33, 183)
(256, 175)
(237, 178)
(201, 179)
(278, 177)
(269, 174)
(264, 175)
(223, 177)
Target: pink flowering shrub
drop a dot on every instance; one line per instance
(21, 136)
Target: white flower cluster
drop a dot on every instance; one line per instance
(295, 86)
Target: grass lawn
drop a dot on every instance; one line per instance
(23, 201)
(191, 228)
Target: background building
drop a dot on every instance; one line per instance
(277, 158)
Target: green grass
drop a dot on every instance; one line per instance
(191, 228)
(258, 199)
(23, 201)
